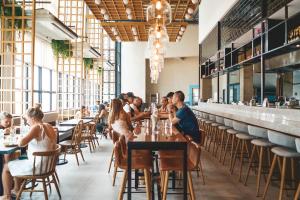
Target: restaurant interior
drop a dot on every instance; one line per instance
(150, 99)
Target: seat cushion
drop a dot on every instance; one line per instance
(262, 143)
(66, 143)
(208, 121)
(215, 124)
(224, 127)
(285, 152)
(244, 136)
(231, 131)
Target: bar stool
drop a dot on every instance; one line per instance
(260, 145)
(230, 138)
(287, 151)
(242, 147)
(213, 128)
(219, 144)
(297, 195)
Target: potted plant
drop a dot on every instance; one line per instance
(8, 11)
(88, 63)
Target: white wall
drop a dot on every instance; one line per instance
(210, 12)
(133, 65)
(178, 74)
(134, 56)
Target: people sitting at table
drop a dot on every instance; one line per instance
(184, 118)
(164, 104)
(126, 107)
(41, 137)
(5, 122)
(103, 117)
(83, 112)
(119, 120)
(137, 114)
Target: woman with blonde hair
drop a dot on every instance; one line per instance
(119, 120)
(41, 137)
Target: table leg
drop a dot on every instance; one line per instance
(185, 173)
(136, 179)
(129, 173)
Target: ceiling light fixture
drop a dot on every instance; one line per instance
(125, 2)
(97, 2)
(102, 11)
(190, 11)
(128, 11)
(158, 5)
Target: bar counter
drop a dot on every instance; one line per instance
(286, 121)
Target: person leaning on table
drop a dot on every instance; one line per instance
(41, 137)
(184, 119)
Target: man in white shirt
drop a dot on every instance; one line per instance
(126, 107)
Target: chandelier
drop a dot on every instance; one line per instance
(159, 14)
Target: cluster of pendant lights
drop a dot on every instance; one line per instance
(159, 15)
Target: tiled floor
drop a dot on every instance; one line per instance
(90, 181)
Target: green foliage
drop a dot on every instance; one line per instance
(99, 70)
(62, 48)
(88, 63)
(8, 12)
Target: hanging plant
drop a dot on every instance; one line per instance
(88, 63)
(8, 12)
(99, 70)
(62, 48)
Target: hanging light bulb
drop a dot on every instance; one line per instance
(190, 11)
(187, 16)
(158, 5)
(113, 29)
(97, 2)
(125, 2)
(157, 45)
(182, 28)
(106, 17)
(128, 11)
(180, 33)
(102, 11)
(136, 38)
(129, 16)
(118, 38)
(196, 1)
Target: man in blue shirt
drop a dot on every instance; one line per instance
(184, 118)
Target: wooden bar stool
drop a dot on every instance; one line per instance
(297, 195)
(261, 145)
(286, 151)
(242, 147)
(221, 136)
(230, 140)
(212, 129)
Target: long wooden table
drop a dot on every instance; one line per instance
(145, 140)
(74, 122)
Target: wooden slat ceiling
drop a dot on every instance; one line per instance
(118, 17)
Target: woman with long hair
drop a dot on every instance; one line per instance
(119, 120)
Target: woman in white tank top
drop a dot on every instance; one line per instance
(41, 137)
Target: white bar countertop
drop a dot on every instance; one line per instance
(281, 120)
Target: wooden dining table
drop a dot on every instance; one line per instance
(74, 122)
(145, 139)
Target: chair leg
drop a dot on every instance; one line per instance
(260, 162)
(45, 189)
(148, 184)
(232, 150)
(166, 177)
(226, 148)
(21, 189)
(190, 182)
(81, 154)
(221, 145)
(115, 175)
(234, 157)
(162, 181)
(282, 183)
(56, 176)
(250, 164)
(56, 186)
(297, 195)
(123, 185)
(111, 160)
(270, 176)
(242, 159)
(32, 187)
(75, 152)
(201, 171)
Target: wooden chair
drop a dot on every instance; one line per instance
(73, 146)
(115, 137)
(141, 162)
(44, 165)
(88, 135)
(297, 195)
